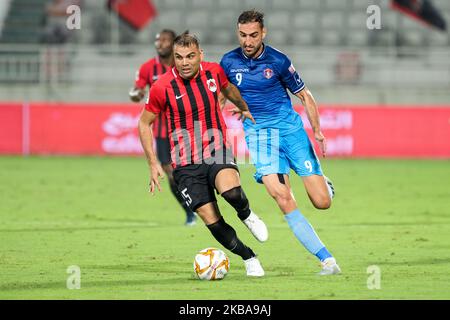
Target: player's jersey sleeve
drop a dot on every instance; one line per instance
(156, 101)
(223, 79)
(142, 77)
(289, 76)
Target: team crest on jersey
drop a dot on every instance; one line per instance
(211, 83)
(268, 73)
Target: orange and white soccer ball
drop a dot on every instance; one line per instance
(211, 264)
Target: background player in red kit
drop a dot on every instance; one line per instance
(189, 96)
(147, 74)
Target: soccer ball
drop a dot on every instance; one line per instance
(211, 264)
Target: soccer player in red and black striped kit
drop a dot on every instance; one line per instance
(147, 74)
(201, 156)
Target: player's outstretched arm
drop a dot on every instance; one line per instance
(146, 137)
(232, 93)
(312, 111)
(222, 101)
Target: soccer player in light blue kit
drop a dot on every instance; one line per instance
(278, 141)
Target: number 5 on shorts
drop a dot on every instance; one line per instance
(186, 197)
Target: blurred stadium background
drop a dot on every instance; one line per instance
(405, 63)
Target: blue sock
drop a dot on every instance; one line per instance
(306, 235)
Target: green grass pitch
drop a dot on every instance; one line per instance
(95, 213)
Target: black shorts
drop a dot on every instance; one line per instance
(163, 150)
(196, 182)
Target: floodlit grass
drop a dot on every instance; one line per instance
(95, 213)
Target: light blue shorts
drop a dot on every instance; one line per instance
(272, 152)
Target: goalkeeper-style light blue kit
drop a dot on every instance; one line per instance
(278, 141)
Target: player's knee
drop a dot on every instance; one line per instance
(236, 197)
(322, 202)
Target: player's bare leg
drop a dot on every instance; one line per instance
(317, 190)
(226, 236)
(279, 187)
(280, 190)
(190, 216)
(228, 184)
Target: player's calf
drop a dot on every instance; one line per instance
(318, 191)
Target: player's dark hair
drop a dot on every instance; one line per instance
(251, 16)
(169, 31)
(186, 40)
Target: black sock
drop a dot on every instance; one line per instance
(226, 235)
(237, 199)
(177, 194)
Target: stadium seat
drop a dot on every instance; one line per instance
(359, 5)
(413, 38)
(389, 19)
(383, 37)
(255, 4)
(330, 37)
(226, 19)
(202, 4)
(201, 34)
(357, 20)
(357, 37)
(198, 19)
(290, 5)
(175, 4)
(443, 5)
(278, 20)
(303, 38)
(231, 5)
(334, 4)
(219, 37)
(308, 4)
(437, 38)
(278, 37)
(172, 18)
(332, 20)
(305, 20)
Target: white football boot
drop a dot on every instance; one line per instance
(329, 267)
(253, 267)
(330, 187)
(257, 227)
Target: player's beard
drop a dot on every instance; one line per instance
(253, 53)
(164, 54)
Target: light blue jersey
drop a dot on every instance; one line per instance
(263, 83)
(278, 141)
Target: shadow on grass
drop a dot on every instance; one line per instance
(430, 261)
(14, 286)
(79, 228)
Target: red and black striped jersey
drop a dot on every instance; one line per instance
(147, 74)
(197, 130)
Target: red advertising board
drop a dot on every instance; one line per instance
(100, 129)
(11, 123)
